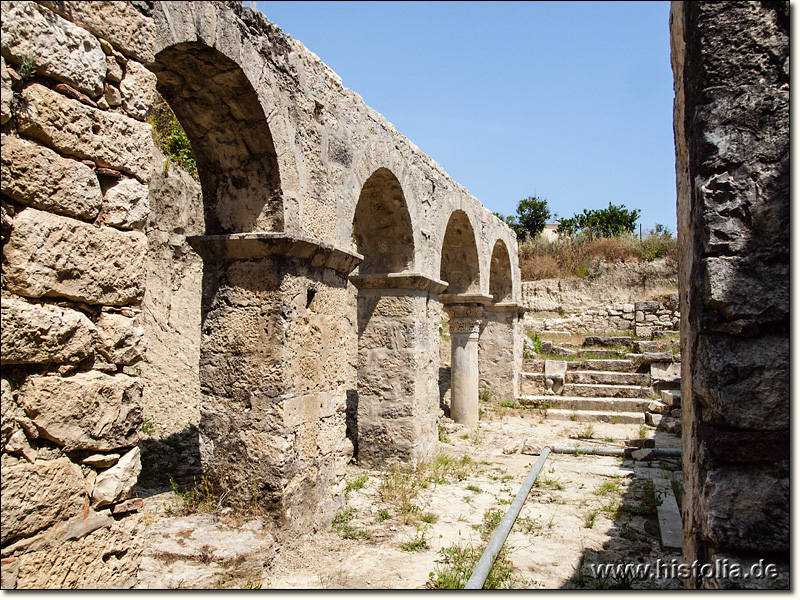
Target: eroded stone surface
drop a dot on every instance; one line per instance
(109, 139)
(50, 255)
(121, 339)
(38, 495)
(88, 411)
(121, 23)
(6, 93)
(138, 89)
(115, 484)
(40, 333)
(37, 176)
(125, 204)
(58, 48)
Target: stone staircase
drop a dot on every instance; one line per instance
(605, 388)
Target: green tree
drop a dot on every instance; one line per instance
(604, 222)
(532, 214)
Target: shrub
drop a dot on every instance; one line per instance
(170, 137)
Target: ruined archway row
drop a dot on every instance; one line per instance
(313, 143)
(280, 317)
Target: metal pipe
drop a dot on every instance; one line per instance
(484, 565)
(481, 572)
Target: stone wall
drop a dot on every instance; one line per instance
(612, 284)
(76, 157)
(731, 67)
(645, 319)
(247, 305)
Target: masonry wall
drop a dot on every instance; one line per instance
(76, 157)
(137, 302)
(731, 67)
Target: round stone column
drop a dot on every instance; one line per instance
(465, 322)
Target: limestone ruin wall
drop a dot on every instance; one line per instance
(287, 307)
(731, 67)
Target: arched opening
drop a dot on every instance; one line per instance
(382, 226)
(500, 284)
(387, 414)
(238, 191)
(230, 137)
(459, 267)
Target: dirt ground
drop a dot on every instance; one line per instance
(399, 531)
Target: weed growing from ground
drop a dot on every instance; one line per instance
(457, 563)
(357, 483)
(418, 542)
(607, 488)
(586, 433)
(589, 519)
(341, 525)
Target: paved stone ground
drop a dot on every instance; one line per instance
(562, 532)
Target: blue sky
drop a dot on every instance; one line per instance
(568, 101)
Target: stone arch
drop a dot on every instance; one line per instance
(500, 274)
(460, 266)
(231, 139)
(382, 228)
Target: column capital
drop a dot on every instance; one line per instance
(398, 281)
(507, 307)
(247, 246)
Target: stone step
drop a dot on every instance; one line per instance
(647, 358)
(671, 397)
(604, 364)
(583, 404)
(595, 416)
(595, 341)
(598, 390)
(608, 378)
(598, 353)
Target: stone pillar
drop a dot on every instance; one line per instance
(731, 68)
(397, 363)
(276, 363)
(500, 350)
(465, 312)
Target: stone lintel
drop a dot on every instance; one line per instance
(398, 281)
(244, 246)
(465, 299)
(510, 307)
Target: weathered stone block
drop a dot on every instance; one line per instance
(6, 93)
(37, 176)
(58, 48)
(43, 334)
(138, 89)
(737, 288)
(88, 411)
(121, 339)
(114, 72)
(118, 22)
(301, 409)
(109, 139)
(115, 484)
(747, 506)
(37, 495)
(126, 205)
(646, 306)
(50, 255)
(744, 382)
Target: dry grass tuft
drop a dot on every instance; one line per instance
(581, 256)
